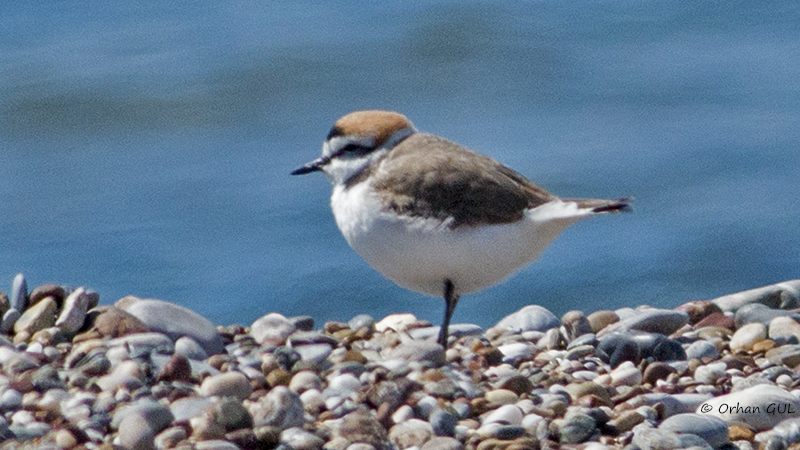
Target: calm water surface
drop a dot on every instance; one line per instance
(146, 149)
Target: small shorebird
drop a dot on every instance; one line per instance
(433, 216)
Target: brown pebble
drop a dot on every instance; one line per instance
(626, 421)
(601, 319)
(113, 322)
(217, 361)
(716, 319)
(5, 305)
(332, 327)
(763, 346)
(353, 355)
(656, 371)
(517, 384)
(177, 368)
(740, 433)
(278, 377)
(699, 310)
(523, 443)
(47, 290)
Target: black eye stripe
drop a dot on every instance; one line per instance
(353, 149)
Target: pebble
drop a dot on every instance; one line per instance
(760, 313)
(396, 322)
(136, 433)
(441, 443)
(443, 423)
(175, 321)
(19, 293)
(38, 317)
(576, 428)
(712, 429)
(367, 385)
(783, 329)
(762, 406)
(775, 296)
(73, 314)
(506, 414)
(661, 321)
(599, 320)
(626, 374)
(711, 373)
(189, 348)
(272, 329)
(702, 349)
(280, 408)
(747, 336)
(419, 351)
(299, 439)
(411, 433)
(529, 318)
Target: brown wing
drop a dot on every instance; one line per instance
(426, 175)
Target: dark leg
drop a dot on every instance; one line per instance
(450, 300)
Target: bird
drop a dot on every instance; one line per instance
(433, 216)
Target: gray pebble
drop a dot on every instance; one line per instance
(73, 314)
(781, 295)
(442, 443)
(299, 439)
(231, 414)
(757, 312)
(157, 416)
(189, 348)
(186, 408)
(506, 414)
(281, 408)
(302, 323)
(443, 423)
(361, 321)
(10, 400)
(19, 293)
(314, 353)
(712, 429)
(661, 321)
(272, 328)
(530, 318)
(9, 319)
(576, 428)
(216, 444)
(136, 433)
(229, 384)
(419, 351)
(709, 374)
(455, 331)
(176, 321)
(702, 349)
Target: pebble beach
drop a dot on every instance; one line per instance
(148, 374)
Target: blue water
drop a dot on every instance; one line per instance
(146, 148)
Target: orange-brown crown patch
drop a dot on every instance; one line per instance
(381, 125)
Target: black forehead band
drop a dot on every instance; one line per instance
(335, 131)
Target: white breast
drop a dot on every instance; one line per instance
(420, 254)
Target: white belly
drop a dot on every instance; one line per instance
(420, 254)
